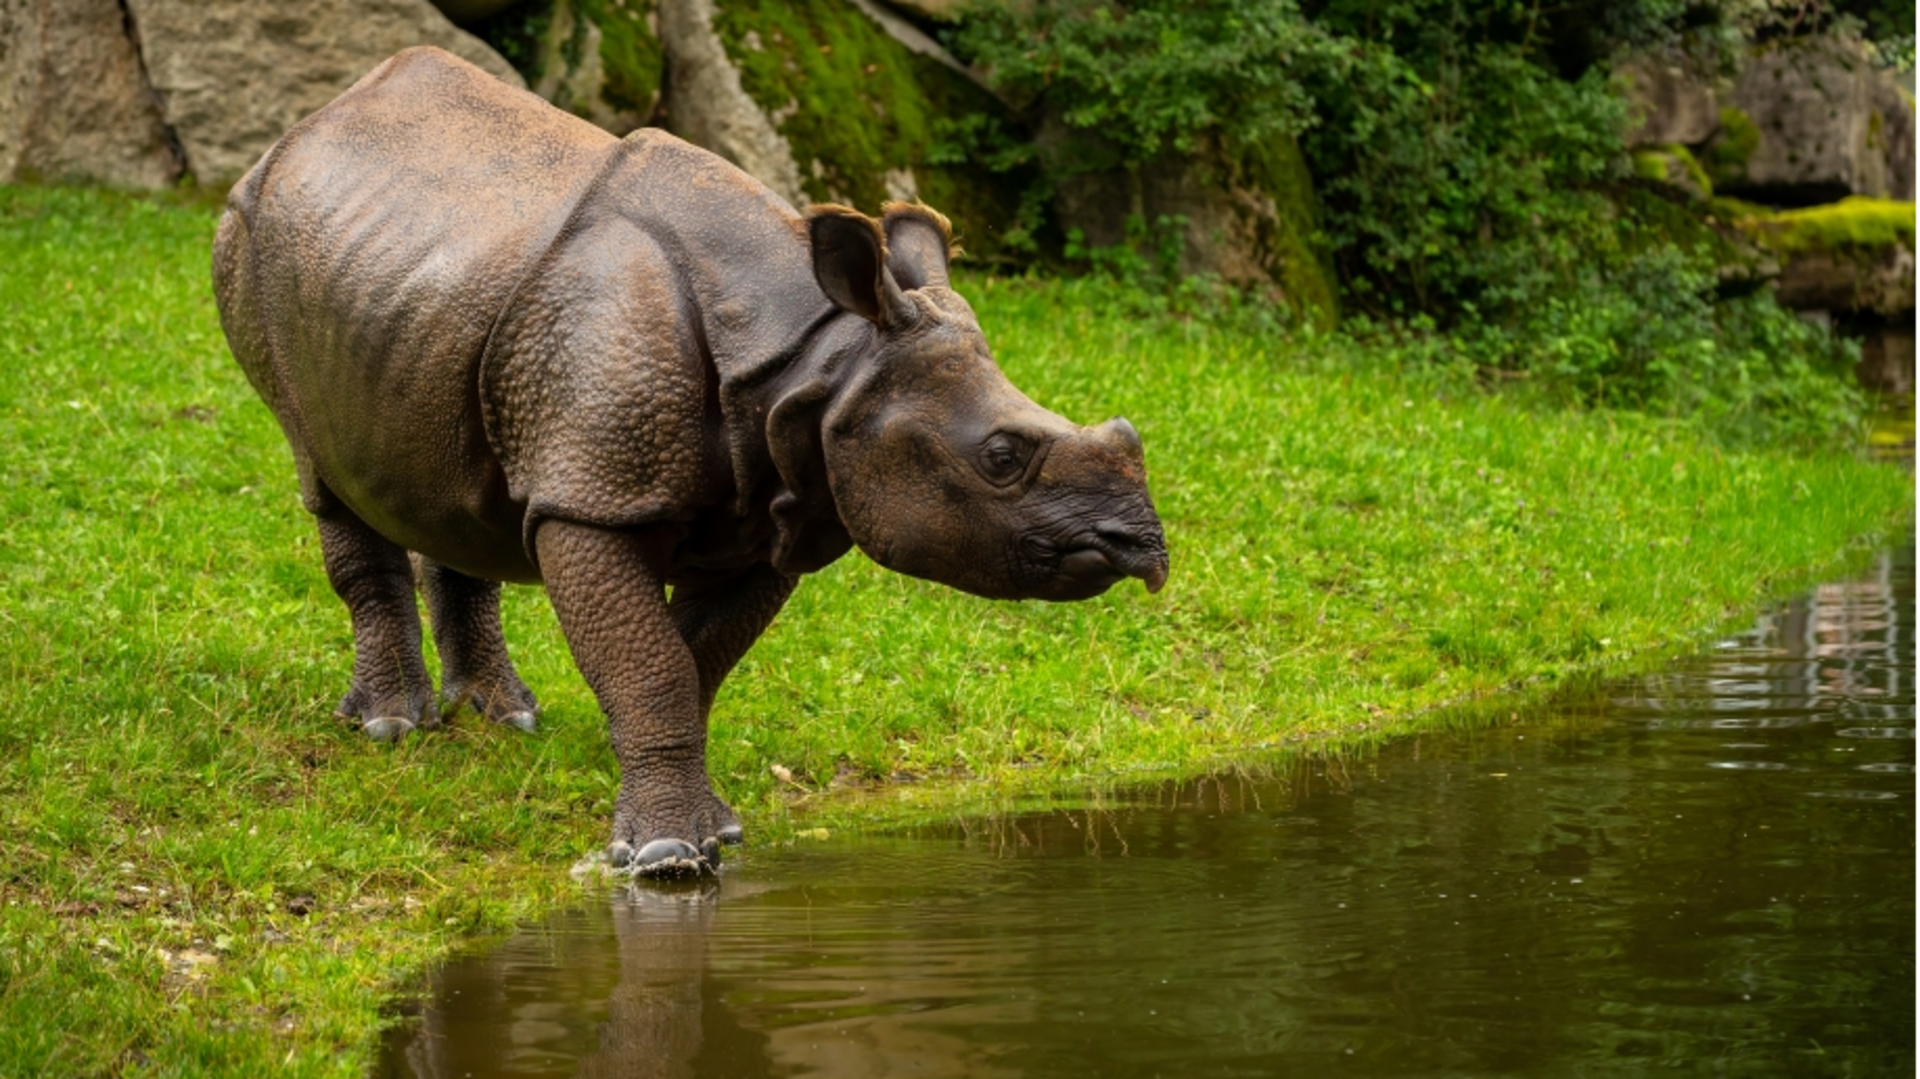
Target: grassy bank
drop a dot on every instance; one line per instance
(204, 874)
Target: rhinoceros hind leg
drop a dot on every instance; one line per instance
(608, 587)
(391, 694)
(474, 669)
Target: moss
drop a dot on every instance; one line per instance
(1730, 149)
(1299, 259)
(1728, 208)
(1676, 166)
(1851, 223)
(861, 112)
(630, 54)
(1709, 237)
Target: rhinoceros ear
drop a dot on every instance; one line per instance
(919, 244)
(850, 263)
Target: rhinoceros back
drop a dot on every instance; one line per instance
(361, 266)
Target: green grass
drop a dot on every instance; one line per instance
(1352, 548)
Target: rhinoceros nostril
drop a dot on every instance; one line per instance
(1118, 535)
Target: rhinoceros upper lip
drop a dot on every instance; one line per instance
(1147, 563)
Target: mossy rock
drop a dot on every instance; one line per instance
(1245, 212)
(1675, 166)
(863, 115)
(1291, 242)
(1855, 255)
(1856, 222)
(598, 59)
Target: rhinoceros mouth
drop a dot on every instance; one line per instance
(1092, 564)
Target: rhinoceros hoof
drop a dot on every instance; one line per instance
(387, 728)
(666, 859)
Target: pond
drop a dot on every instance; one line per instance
(1709, 869)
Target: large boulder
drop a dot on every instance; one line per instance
(74, 103)
(708, 106)
(1667, 104)
(233, 75)
(821, 100)
(1854, 257)
(1243, 214)
(1813, 120)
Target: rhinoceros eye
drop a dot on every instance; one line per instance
(1003, 458)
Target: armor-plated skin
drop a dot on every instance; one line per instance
(500, 338)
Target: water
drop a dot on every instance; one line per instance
(1709, 871)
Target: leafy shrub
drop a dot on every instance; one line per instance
(1474, 188)
(1155, 76)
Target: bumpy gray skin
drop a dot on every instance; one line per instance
(500, 338)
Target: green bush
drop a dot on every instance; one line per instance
(1472, 183)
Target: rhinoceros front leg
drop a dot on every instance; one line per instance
(391, 693)
(608, 588)
(474, 668)
(721, 620)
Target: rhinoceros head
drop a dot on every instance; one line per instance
(938, 466)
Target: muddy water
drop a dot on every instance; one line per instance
(1708, 871)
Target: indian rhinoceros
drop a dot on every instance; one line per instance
(524, 350)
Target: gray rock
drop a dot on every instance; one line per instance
(1886, 357)
(707, 106)
(74, 104)
(1828, 124)
(1666, 104)
(1873, 281)
(1247, 218)
(917, 41)
(233, 75)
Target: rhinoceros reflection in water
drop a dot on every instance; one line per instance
(566, 1003)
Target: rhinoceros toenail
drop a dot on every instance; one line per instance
(387, 728)
(521, 721)
(660, 850)
(619, 855)
(732, 835)
(671, 859)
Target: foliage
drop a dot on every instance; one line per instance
(1470, 174)
(1655, 338)
(1154, 77)
(207, 875)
